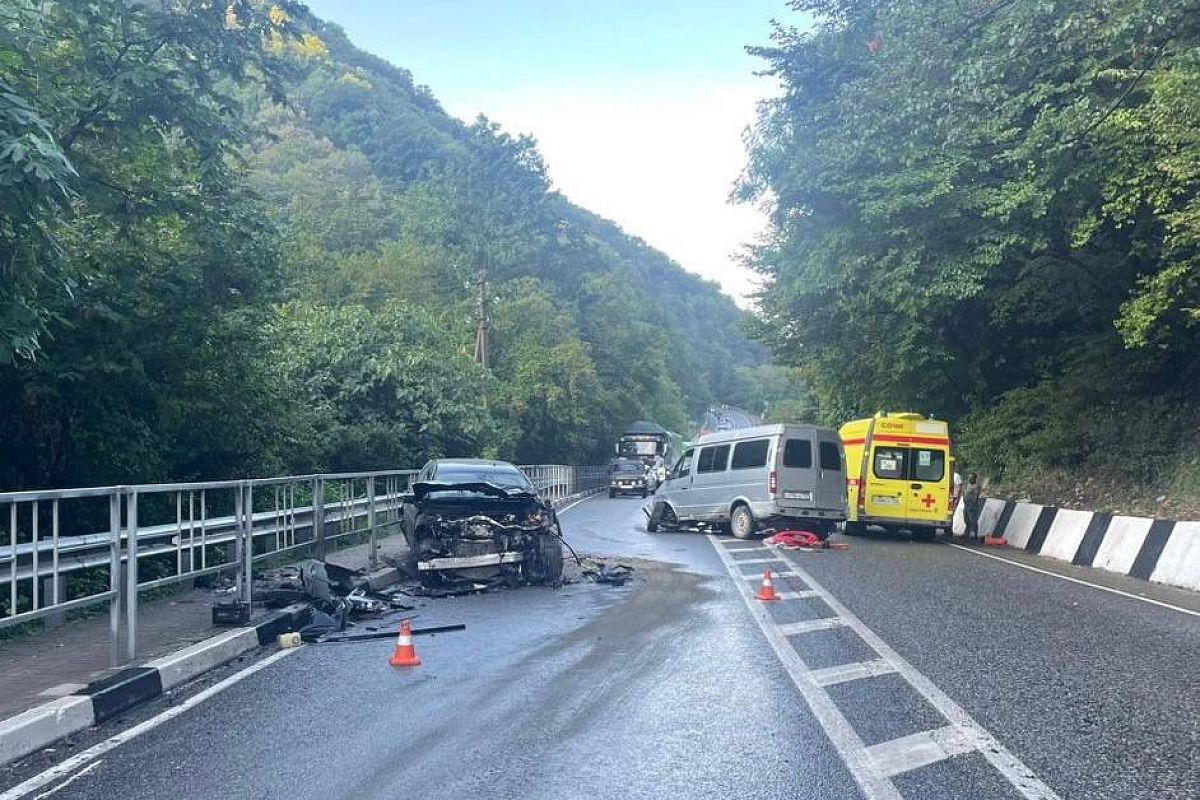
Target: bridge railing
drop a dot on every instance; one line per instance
(70, 549)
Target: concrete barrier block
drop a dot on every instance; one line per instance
(1121, 544)
(44, 725)
(1066, 532)
(990, 515)
(186, 664)
(1020, 525)
(1179, 563)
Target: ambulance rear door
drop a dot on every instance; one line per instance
(885, 483)
(928, 491)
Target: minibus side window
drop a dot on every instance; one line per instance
(751, 454)
(831, 459)
(797, 454)
(713, 459)
(928, 465)
(889, 463)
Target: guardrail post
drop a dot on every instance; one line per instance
(131, 575)
(318, 516)
(114, 578)
(248, 548)
(374, 561)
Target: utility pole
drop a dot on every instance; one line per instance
(482, 319)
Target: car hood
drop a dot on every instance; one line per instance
(422, 489)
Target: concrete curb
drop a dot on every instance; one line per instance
(109, 697)
(1156, 550)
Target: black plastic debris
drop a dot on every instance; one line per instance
(600, 571)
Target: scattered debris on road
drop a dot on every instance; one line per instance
(598, 570)
(802, 540)
(369, 637)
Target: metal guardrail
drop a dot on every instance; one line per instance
(141, 537)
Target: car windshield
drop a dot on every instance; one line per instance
(629, 468)
(505, 477)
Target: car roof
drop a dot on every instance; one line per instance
(473, 462)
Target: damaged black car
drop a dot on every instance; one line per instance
(471, 521)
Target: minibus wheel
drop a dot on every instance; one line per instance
(741, 522)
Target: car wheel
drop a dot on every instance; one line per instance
(611, 494)
(853, 528)
(545, 564)
(741, 522)
(657, 512)
(645, 494)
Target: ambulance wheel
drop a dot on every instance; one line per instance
(741, 522)
(853, 528)
(924, 534)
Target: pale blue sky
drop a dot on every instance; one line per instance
(638, 107)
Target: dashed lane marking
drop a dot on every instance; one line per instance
(810, 625)
(919, 750)
(851, 672)
(781, 574)
(873, 767)
(789, 595)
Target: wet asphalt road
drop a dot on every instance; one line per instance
(667, 687)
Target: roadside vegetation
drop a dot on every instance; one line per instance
(233, 244)
(989, 211)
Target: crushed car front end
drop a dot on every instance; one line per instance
(483, 533)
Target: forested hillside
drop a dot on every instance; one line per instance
(989, 211)
(235, 244)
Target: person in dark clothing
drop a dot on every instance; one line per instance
(972, 499)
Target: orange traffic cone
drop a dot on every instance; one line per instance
(405, 654)
(767, 590)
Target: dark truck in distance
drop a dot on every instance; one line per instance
(479, 521)
(627, 476)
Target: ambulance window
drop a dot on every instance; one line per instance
(751, 454)
(797, 454)
(889, 462)
(713, 459)
(831, 459)
(928, 465)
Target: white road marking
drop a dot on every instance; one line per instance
(869, 766)
(795, 595)
(774, 560)
(857, 670)
(97, 750)
(70, 780)
(781, 574)
(745, 549)
(569, 506)
(810, 625)
(919, 750)
(1108, 589)
(841, 733)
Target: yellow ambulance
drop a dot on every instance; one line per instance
(898, 473)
